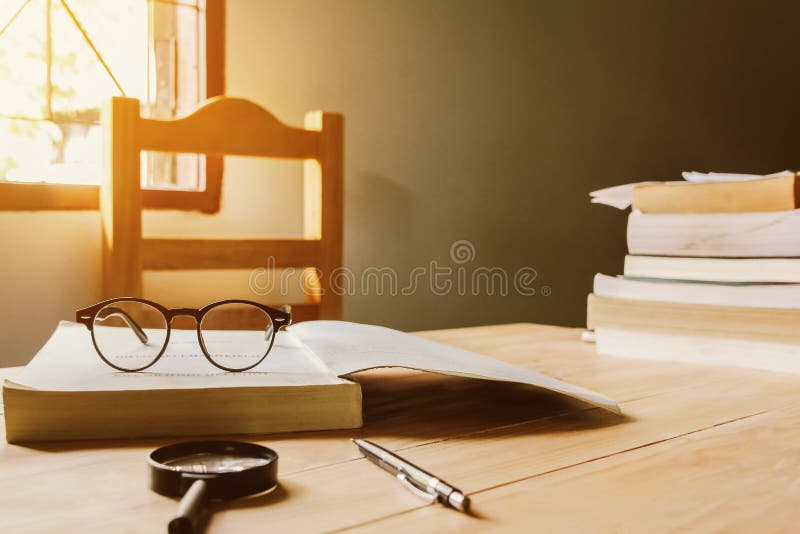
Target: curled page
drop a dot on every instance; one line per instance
(618, 196)
(346, 348)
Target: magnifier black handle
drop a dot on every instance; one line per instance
(190, 510)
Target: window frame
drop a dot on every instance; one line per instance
(57, 197)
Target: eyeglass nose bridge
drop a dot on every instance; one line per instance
(172, 313)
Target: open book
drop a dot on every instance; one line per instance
(66, 391)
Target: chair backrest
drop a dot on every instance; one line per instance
(223, 126)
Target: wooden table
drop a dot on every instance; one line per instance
(699, 449)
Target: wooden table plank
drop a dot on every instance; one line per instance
(481, 461)
(509, 433)
(743, 476)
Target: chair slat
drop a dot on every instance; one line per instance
(171, 254)
(256, 132)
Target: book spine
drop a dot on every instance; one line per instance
(709, 350)
(746, 235)
(769, 324)
(773, 194)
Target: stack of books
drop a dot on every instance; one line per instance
(712, 275)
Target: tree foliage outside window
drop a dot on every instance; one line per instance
(61, 59)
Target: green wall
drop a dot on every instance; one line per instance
(492, 121)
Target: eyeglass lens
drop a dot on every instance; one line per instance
(236, 335)
(129, 334)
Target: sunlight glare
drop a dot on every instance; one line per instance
(57, 139)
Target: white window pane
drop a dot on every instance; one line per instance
(36, 151)
(118, 29)
(80, 83)
(23, 71)
(154, 50)
(164, 170)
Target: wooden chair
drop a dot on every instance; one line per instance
(222, 126)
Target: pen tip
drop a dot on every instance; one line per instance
(459, 501)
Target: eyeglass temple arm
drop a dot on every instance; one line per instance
(110, 311)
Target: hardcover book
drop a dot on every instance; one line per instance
(770, 194)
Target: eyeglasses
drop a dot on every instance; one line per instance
(131, 334)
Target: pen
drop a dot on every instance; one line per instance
(419, 482)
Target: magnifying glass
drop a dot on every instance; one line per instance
(199, 471)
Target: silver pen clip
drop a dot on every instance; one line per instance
(422, 494)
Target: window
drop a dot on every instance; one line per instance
(61, 59)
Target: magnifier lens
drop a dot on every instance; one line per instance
(209, 462)
(199, 471)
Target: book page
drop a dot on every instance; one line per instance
(347, 348)
(69, 362)
(618, 196)
(711, 177)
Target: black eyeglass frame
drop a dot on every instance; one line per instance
(86, 316)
